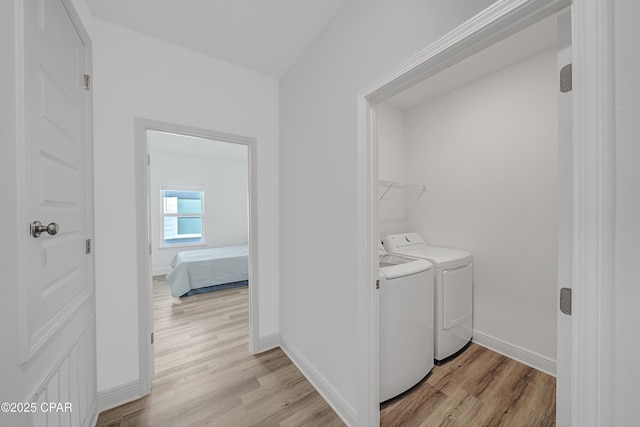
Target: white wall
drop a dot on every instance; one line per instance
(487, 153)
(318, 131)
(225, 182)
(627, 245)
(391, 167)
(139, 76)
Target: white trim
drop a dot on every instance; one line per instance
(143, 238)
(495, 23)
(564, 217)
(332, 396)
(267, 343)
(254, 303)
(161, 271)
(120, 395)
(145, 279)
(594, 191)
(368, 325)
(515, 352)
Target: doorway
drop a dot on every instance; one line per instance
(235, 145)
(481, 139)
(593, 172)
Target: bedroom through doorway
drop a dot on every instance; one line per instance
(198, 292)
(198, 213)
(198, 217)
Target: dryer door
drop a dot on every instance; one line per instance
(457, 294)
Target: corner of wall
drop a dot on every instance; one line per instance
(267, 342)
(515, 352)
(120, 395)
(333, 397)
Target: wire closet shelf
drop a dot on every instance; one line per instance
(393, 190)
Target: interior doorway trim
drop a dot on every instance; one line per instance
(593, 188)
(142, 204)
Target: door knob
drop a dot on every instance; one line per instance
(37, 229)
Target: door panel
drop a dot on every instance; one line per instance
(456, 295)
(55, 131)
(57, 306)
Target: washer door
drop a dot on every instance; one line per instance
(457, 295)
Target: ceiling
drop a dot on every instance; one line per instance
(186, 145)
(527, 43)
(266, 36)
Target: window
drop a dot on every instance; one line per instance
(182, 210)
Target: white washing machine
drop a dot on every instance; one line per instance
(453, 272)
(406, 322)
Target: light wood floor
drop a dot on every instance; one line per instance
(479, 388)
(205, 376)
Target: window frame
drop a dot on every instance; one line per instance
(163, 215)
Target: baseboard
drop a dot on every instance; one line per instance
(161, 271)
(117, 396)
(267, 343)
(337, 402)
(522, 355)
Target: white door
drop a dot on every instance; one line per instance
(57, 303)
(565, 227)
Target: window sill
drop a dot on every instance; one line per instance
(182, 246)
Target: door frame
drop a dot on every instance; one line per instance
(143, 235)
(593, 185)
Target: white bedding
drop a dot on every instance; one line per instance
(208, 267)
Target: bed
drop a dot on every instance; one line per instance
(208, 269)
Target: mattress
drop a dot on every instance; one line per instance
(208, 267)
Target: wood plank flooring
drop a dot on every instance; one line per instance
(205, 376)
(479, 388)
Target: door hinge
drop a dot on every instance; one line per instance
(149, 248)
(87, 246)
(151, 337)
(565, 301)
(566, 79)
(378, 284)
(148, 159)
(87, 82)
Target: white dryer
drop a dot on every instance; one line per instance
(406, 322)
(453, 290)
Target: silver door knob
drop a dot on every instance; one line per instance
(37, 229)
